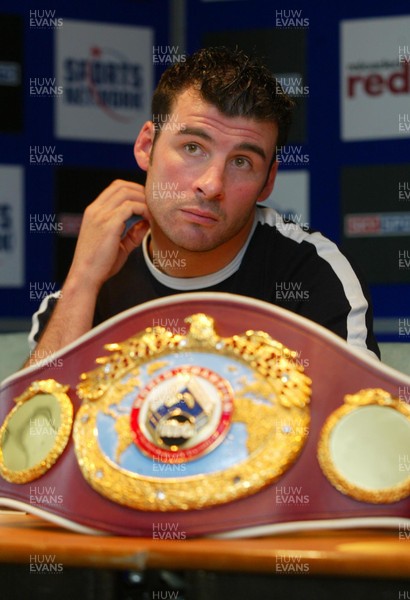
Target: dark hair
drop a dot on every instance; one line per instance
(236, 84)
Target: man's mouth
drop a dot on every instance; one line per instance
(196, 215)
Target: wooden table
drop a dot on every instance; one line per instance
(349, 553)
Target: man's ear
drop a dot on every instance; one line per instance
(270, 182)
(143, 145)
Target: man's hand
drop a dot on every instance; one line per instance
(101, 251)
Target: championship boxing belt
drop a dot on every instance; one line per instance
(206, 414)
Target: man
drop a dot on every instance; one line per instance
(209, 155)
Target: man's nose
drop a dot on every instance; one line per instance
(210, 183)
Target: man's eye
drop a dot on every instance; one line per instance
(242, 162)
(192, 148)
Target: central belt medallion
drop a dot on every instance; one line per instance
(175, 422)
(182, 414)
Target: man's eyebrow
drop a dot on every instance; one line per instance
(251, 148)
(198, 132)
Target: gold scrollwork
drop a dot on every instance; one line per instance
(363, 447)
(35, 432)
(277, 426)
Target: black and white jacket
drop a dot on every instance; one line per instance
(281, 263)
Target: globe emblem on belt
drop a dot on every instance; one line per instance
(182, 414)
(179, 418)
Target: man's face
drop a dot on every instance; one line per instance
(205, 175)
